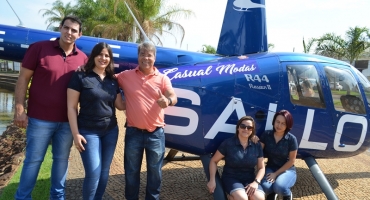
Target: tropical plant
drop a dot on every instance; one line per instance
(111, 19)
(356, 42)
(208, 49)
(330, 45)
(104, 18)
(307, 48)
(157, 19)
(56, 14)
(270, 46)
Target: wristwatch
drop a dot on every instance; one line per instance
(259, 183)
(169, 101)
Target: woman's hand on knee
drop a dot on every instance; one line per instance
(271, 177)
(251, 188)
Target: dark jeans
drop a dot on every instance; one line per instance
(136, 142)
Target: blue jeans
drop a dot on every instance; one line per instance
(135, 144)
(97, 158)
(282, 184)
(39, 133)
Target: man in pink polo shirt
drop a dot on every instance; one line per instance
(147, 93)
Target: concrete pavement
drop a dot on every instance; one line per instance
(350, 177)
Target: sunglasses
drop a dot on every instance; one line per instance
(243, 126)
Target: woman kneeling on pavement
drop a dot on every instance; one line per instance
(241, 156)
(280, 148)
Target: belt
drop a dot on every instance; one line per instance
(144, 130)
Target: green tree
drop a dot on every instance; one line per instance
(270, 46)
(157, 19)
(111, 19)
(356, 41)
(208, 49)
(56, 13)
(330, 45)
(307, 48)
(105, 18)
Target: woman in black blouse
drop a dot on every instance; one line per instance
(280, 147)
(241, 157)
(94, 125)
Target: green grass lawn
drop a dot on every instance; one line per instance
(41, 190)
(342, 92)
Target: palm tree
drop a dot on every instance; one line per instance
(331, 45)
(356, 42)
(111, 19)
(307, 48)
(270, 46)
(56, 14)
(208, 49)
(157, 19)
(104, 18)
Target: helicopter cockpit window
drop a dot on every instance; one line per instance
(304, 86)
(365, 84)
(344, 90)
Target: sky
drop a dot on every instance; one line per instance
(288, 21)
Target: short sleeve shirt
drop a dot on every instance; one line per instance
(52, 72)
(141, 94)
(278, 153)
(239, 162)
(97, 97)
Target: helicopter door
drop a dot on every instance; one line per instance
(349, 112)
(305, 100)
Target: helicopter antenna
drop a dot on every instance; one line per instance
(137, 23)
(20, 21)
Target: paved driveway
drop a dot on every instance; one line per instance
(182, 180)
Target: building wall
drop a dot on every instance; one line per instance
(366, 72)
(9, 66)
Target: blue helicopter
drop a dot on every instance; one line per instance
(214, 91)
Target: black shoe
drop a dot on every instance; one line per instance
(271, 196)
(287, 197)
